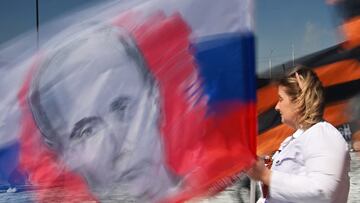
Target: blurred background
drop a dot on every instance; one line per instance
(286, 31)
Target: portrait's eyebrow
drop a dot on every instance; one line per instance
(91, 121)
(120, 107)
(119, 104)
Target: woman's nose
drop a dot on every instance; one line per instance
(277, 108)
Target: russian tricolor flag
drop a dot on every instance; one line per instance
(154, 104)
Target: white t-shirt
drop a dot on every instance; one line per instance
(311, 166)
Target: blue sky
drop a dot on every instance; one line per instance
(19, 16)
(307, 25)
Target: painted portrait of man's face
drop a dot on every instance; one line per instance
(96, 105)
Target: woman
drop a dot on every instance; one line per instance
(311, 165)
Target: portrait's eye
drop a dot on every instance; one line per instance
(86, 127)
(121, 107)
(86, 132)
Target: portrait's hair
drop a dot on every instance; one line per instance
(305, 90)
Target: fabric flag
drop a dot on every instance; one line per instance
(152, 103)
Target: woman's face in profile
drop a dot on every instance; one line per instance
(286, 108)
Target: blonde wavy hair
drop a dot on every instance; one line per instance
(305, 90)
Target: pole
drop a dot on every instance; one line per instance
(37, 23)
(293, 54)
(252, 191)
(270, 65)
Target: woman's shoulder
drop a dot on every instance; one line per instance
(323, 128)
(324, 133)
